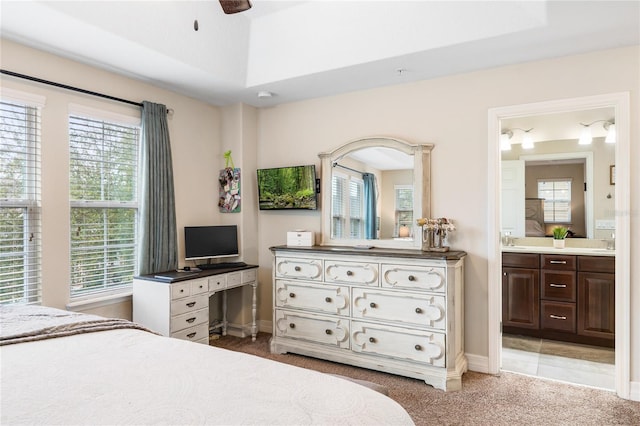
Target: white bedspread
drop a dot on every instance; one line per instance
(129, 376)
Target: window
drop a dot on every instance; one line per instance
(104, 167)
(20, 255)
(557, 199)
(403, 207)
(347, 203)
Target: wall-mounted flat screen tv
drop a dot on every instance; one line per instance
(284, 188)
(210, 242)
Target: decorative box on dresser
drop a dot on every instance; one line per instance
(397, 311)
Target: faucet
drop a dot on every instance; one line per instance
(611, 243)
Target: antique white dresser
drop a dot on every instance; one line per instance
(398, 311)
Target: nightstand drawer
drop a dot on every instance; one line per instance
(414, 277)
(558, 316)
(189, 304)
(558, 285)
(189, 319)
(420, 310)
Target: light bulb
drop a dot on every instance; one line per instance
(505, 143)
(611, 134)
(527, 141)
(585, 136)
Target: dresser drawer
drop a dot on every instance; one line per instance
(357, 273)
(189, 319)
(189, 304)
(294, 267)
(396, 342)
(558, 285)
(557, 261)
(426, 311)
(218, 282)
(414, 277)
(197, 333)
(314, 297)
(332, 331)
(559, 316)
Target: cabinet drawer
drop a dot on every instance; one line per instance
(180, 289)
(189, 319)
(218, 282)
(559, 316)
(332, 331)
(558, 285)
(605, 264)
(248, 276)
(426, 311)
(189, 304)
(294, 267)
(396, 342)
(196, 333)
(521, 260)
(359, 273)
(558, 261)
(414, 277)
(314, 297)
(233, 279)
(199, 286)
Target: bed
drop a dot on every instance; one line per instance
(534, 217)
(61, 367)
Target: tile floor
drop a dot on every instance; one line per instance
(569, 370)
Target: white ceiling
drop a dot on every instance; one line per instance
(307, 49)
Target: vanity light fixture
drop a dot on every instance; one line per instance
(586, 138)
(505, 140)
(527, 140)
(264, 94)
(507, 134)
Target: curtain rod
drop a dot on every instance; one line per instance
(335, 164)
(75, 89)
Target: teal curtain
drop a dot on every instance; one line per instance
(369, 206)
(158, 248)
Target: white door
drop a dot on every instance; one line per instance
(513, 198)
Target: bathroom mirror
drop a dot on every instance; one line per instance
(373, 190)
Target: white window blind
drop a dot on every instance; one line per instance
(103, 179)
(20, 228)
(557, 200)
(404, 207)
(347, 203)
(338, 214)
(356, 208)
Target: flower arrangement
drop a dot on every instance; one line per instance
(434, 232)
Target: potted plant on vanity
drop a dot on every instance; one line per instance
(559, 234)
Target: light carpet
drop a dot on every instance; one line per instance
(507, 399)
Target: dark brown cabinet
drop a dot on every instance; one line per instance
(561, 297)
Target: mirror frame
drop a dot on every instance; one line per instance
(421, 188)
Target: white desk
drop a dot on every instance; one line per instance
(179, 307)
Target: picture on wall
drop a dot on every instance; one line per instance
(229, 198)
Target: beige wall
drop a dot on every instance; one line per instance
(451, 113)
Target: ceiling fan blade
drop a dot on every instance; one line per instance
(235, 6)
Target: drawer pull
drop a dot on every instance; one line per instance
(418, 347)
(190, 320)
(327, 299)
(373, 305)
(418, 311)
(327, 331)
(191, 335)
(411, 278)
(297, 269)
(372, 339)
(292, 295)
(201, 286)
(557, 317)
(182, 290)
(558, 262)
(191, 304)
(292, 325)
(349, 273)
(557, 285)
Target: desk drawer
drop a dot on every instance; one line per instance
(189, 319)
(200, 286)
(248, 276)
(217, 282)
(189, 304)
(196, 333)
(180, 289)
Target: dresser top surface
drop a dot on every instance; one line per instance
(373, 251)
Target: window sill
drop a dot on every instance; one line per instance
(97, 301)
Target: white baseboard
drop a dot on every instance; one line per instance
(634, 391)
(477, 363)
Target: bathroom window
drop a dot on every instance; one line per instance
(557, 199)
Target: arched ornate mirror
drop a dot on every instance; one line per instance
(373, 190)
